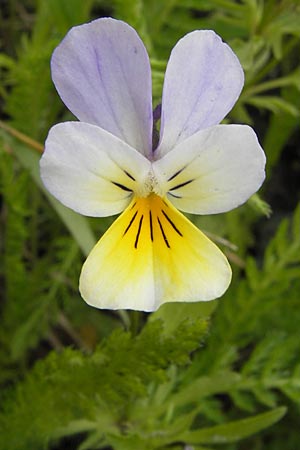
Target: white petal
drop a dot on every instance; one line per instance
(102, 73)
(202, 83)
(213, 171)
(152, 255)
(90, 170)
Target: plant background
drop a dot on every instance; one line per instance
(224, 374)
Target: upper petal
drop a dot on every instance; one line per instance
(91, 170)
(213, 171)
(101, 71)
(202, 83)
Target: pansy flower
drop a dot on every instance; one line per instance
(106, 163)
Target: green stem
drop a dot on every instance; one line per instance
(135, 322)
(22, 137)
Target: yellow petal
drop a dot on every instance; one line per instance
(152, 254)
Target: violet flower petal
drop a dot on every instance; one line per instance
(202, 83)
(101, 71)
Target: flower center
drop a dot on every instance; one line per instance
(150, 186)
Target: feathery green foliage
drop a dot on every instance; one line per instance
(97, 388)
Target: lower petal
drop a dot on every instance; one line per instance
(152, 255)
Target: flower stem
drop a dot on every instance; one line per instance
(22, 137)
(135, 322)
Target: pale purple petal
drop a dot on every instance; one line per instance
(214, 171)
(202, 83)
(101, 71)
(90, 170)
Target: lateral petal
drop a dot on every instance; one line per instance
(152, 255)
(101, 71)
(213, 171)
(202, 83)
(90, 170)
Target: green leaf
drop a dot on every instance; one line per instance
(6, 61)
(234, 431)
(173, 314)
(259, 205)
(204, 387)
(274, 104)
(281, 128)
(93, 441)
(75, 427)
(125, 442)
(67, 13)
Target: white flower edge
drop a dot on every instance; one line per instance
(216, 169)
(90, 170)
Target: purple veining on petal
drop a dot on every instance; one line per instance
(209, 79)
(108, 104)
